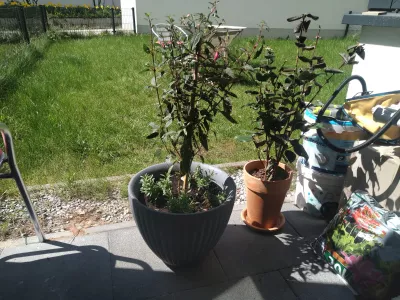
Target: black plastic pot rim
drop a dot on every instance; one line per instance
(176, 214)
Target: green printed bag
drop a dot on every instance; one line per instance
(362, 243)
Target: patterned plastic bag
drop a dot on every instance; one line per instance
(362, 243)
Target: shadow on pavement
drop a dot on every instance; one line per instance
(256, 266)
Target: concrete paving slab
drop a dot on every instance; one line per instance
(57, 270)
(311, 281)
(235, 218)
(262, 287)
(165, 297)
(306, 225)
(138, 273)
(242, 251)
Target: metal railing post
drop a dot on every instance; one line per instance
(113, 20)
(347, 26)
(43, 17)
(22, 23)
(134, 20)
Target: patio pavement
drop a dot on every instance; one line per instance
(115, 263)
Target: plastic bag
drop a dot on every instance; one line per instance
(362, 243)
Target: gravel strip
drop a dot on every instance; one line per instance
(58, 213)
(241, 189)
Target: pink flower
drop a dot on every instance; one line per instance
(169, 42)
(188, 15)
(161, 44)
(352, 259)
(179, 43)
(216, 55)
(213, 9)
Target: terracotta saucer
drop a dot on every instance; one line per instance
(280, 224)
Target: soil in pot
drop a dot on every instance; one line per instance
(166, 195)
(261, 174)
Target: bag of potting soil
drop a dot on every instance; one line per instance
(362, 243)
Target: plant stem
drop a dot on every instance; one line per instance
(155, 79)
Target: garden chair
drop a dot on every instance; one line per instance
(160, 30)
(7, 156)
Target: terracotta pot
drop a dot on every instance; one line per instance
(264, 198)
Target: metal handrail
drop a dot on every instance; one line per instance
(165, 25)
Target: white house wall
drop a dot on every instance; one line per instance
(381, 66)
(250, 13)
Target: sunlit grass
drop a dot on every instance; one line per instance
(82, 110)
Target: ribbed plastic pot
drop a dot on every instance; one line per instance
(181, 239)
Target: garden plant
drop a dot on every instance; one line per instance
(282, 95)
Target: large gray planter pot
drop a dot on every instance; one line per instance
(181, 239)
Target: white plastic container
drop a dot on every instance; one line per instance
(322, 158)
(315, 189)
(341, 133)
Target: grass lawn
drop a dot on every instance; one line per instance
(81, 110)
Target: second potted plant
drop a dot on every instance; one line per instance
(283, 94)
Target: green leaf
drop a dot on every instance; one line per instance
(196, 40)
(262, 77)
(231, 94)
(318, 84)
(320, 66)
(244, 138)
(229, 72)
(308, 90)
(252, 92)
(306, 24)
(154, 125)
(309, 48)
(295, 18)
(260, 144)
(345, 57)
(298, 28)
(305, 59)
(318, 58)
(299, 149)
(288, 70)
(301, 39)
(333, 71)
(146, 48)
(228, 116)
(360, 51)
(308, 76)
(169, 122)
(248, 67)
(315, 18)
(290, 156)
(259, 51)
(203, 139)
(152, 135)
